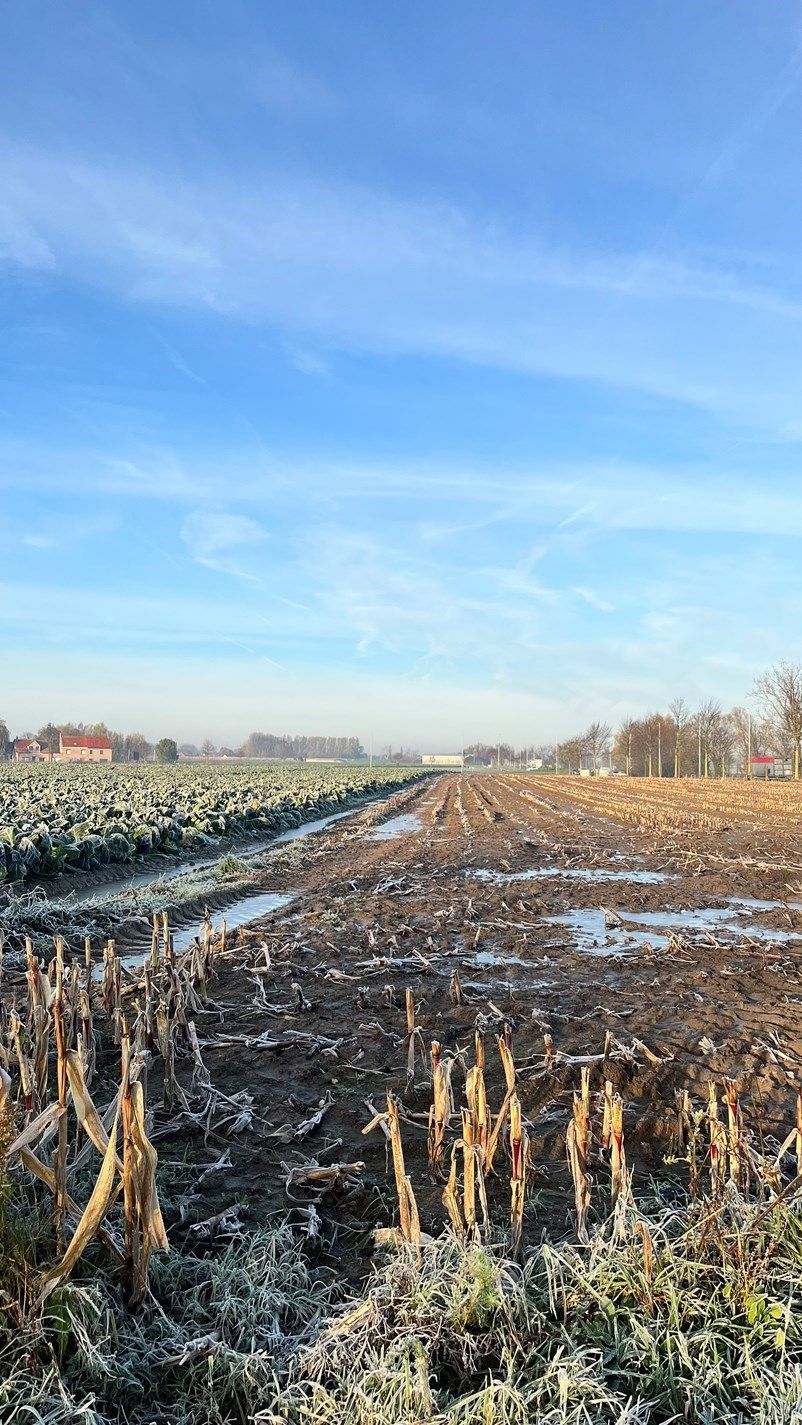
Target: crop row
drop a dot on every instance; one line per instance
(56, 819)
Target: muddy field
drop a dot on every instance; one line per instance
(504, 904)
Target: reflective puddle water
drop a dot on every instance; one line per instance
(594, 935)
(403, 825)
(235, 916)
(489, 959)
(590, 874)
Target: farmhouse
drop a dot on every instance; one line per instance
(30, 749)
(442, 759)
(84, 749)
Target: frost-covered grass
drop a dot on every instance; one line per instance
(32, 912)
(683, 1313)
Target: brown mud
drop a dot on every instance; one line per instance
(307, 1010)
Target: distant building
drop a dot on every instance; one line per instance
(442, 759)
(73, 748)
(775, 768)
(30, 749)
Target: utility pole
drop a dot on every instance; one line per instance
(659, 748)
(749, 747)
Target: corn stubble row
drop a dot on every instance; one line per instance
(491, 1148)
(666, 804)
(50, 1126)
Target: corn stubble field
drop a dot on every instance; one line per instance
(496, 1118)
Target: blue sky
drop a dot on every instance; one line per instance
(429, 371)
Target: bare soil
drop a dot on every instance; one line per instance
(325, 1022)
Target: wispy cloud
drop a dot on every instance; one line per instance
(219, 541)
(362, 269)
(589, 596)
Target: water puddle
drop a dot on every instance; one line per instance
(487, 959)
(403, 825)
(595, 936)
(311, 828)
(752, 903)
(591, 874)
(235, 916)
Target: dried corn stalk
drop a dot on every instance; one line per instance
(407, 1206)
(451, 1198)
(718, 1143)
(468, 1172)
(607, 1116)
(141, 1168)
(476, 1094)
(60, 1163)
(734, 1131)
(577, 1145)
(440, 1110)
(517, 1176)
(91, 1218)
(413, 1037)
(494, 1137)
(618, 1161)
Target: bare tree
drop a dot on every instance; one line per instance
(597, 740)
(750, 738)
(780, 693)
(571, 752)
(681, 714)
(623, 743)
(705, 721)
(721, 738)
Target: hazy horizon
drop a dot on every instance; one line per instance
(428, 375)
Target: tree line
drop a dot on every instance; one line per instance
(135, 747)
(706, 741)
(284, 745)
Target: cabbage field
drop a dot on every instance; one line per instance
(56, 819)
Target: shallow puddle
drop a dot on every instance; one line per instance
(596, 937)
(403, 825)
(235, 916)
(752, 903)
(489, 959)
(591, 874)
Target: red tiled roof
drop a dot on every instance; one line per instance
(101, 743)
(23, 743)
